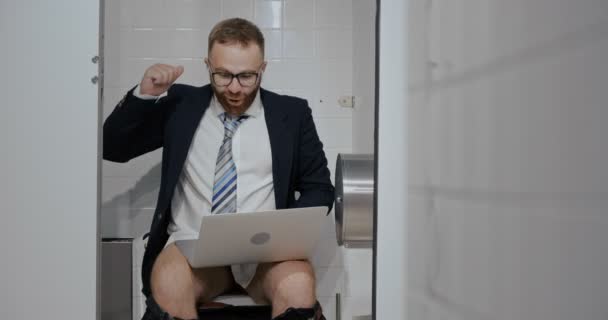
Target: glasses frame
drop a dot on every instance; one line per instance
(212, 74)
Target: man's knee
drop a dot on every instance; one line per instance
(171, 279)
(296, 286)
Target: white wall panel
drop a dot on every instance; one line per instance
(508, 153)
(49, 177)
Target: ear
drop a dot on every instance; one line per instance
(207, 62)
(264, 66)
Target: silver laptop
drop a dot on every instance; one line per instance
(265, 236)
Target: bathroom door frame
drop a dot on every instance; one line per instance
(389, 285)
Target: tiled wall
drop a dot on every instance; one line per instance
(309, 50)
(508, 154)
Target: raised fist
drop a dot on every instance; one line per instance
(158, 78)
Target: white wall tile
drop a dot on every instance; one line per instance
(272, 43)
(333, 13)
(274, 76)
(327, 254)
(334, 43)
(299, 14)
(268, 14)
(132, 191)
(337, 74)
(358, 272)
(145, 43)
(114, 16)
(308, 93)
(329, 281)
(118, 71)
(300, 74)
(193, 14)
(125, 222)
(329, 229)
(327, 106)
(111, 67)
(335, 132)
(146, 165)
(145, 13)
(128, 72)
(115, 192)
(113, 45)
(357, 306)
(195, 71)
(335, 82)
(141, 222)
(186, 43)
(133, 70)
(238, 8)
(114, 169)
(298, 43)
(114, 221)
(146, 171)
(144, 194)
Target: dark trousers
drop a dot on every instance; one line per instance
(155, 312)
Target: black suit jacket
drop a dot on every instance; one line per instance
(139, 126)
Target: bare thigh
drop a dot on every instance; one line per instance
(212, 282)
(172, 274)
(271, 277)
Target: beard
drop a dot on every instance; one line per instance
(236, 104)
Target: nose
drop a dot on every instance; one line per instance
(234, 86)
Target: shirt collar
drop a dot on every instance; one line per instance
(253, 111)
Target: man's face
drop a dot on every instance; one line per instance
(234, 59)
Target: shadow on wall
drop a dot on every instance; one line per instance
(130, 213)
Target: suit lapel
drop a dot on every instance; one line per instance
(281, 145)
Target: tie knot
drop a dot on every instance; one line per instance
(231, 124)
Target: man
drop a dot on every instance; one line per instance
(230, 146)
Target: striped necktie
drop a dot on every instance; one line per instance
(224, 187)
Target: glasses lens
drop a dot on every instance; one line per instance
(247, 79)
(222, 79)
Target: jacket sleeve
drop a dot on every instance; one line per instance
(136, 126)
(312, 176)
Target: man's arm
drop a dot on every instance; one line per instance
(312, 181)
(136, 126)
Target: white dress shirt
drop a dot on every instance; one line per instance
(253, 159)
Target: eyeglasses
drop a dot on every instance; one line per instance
(245, 79)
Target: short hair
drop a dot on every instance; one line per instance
(236, 30)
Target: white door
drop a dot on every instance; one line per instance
(391, 149)
(49, 137)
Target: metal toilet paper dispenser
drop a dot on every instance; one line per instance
(354, 203)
